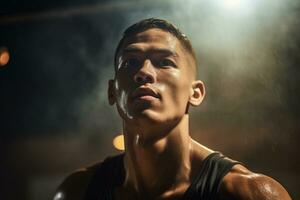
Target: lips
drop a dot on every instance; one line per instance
(145, 93)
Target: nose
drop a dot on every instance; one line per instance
(146, 74)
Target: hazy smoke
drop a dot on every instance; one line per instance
(240, 51)
(244, 54)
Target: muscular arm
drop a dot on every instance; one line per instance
(242, 184)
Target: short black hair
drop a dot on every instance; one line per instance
(150, 23)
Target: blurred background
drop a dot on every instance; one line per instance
(57, 56)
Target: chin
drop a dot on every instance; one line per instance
(148, 117)
(156, 121)
(143, 117)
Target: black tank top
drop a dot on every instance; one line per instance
(205, 186)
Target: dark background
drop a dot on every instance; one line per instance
(54, 115)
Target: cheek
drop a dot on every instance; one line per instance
(121, 94)
(176, 88)
(122, 83)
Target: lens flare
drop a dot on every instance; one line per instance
(4, 56)
(118, 142)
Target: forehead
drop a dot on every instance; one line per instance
(152, 39)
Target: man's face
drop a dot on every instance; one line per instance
(153, 80)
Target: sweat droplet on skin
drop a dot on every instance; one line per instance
(122, 102)
(59, 196)
(137, 138)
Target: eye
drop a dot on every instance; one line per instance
(132, 62)
(165, 63)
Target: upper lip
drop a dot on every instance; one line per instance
(144, 91)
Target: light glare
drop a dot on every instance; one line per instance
(118, 142)
(4, 56)
(232, 3)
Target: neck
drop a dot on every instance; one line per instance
(154, 166)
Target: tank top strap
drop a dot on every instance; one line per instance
(108, 175)
(207, 184)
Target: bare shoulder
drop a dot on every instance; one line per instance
(74, 186)
(242, 184)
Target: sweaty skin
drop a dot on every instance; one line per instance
(153, 87)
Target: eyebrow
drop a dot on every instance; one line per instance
(162, 51)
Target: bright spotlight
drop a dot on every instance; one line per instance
(232, 3)
(240, 7)
(118, 142)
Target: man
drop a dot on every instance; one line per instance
(154, 86)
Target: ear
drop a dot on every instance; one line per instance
(111, 92)
(197, 93)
